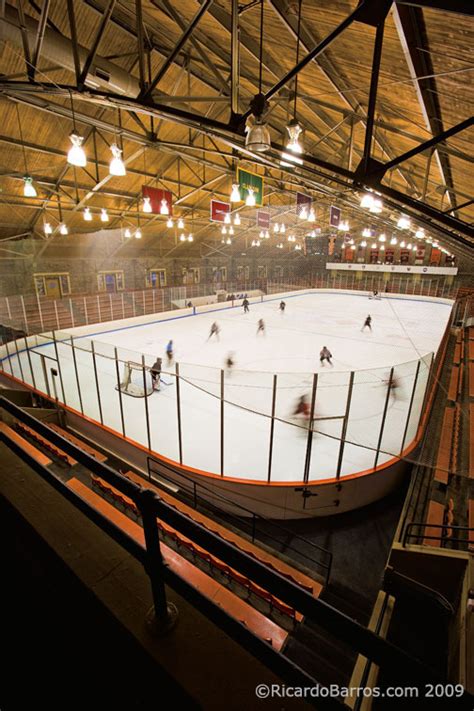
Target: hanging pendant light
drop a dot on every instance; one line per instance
(224, 230)
(227, 218)
(182, 238)
(262, 234)
(138, 234)
(363, 243)
(343, 226)
(231, 230)
(282, 228)
(169, 223)
(127, 233)
(382, 238)
(250, 199)
(76, 155)
(29, 189)
(303, 214)
(228, 240)
(63, 230)
(382, 247)
(353, 246)
(276, 228)
(180, 224)
(373, 245)
(48, 230)
(146, 206)
(117, 166)
(235, 193)
(87, 215)
(393, 240)
(366, 232)
(409, 245)
(164, 209)
(294, 131)
(237, 220)
(258, 136)
(420, 233)
(367, 200)
(103, 215)
(190, 238)
(403, 222)
(376, 206)
(311, 215)
(402, 243)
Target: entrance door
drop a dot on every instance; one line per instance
(53, 287)
(110, 284)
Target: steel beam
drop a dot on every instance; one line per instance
(40, 36)
(95, 45)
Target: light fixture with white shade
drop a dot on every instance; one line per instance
(311, 215)
(138, 234)
(228, 240)
(63, 230)
(353, 246)
(409, 245)
(420, 233)
(227, 218)
(231, 230)
(261, 234)
(169, 223)
(382, 238)
(190, 238)
(267, 234)
(76, 155)
(363, 243)
(103, 215)
(164, 209)
(237, 220)
(29, 189)
(393, 240)
(48, 230)
(294, 131)
(343, 226)
(224, 230)
(276, 228)
(146, 206)
(373, 245)
(303, 213)
(117, 166)
(182, 238)
(403, 222)
(376, 206)
(258, 135)
(87, 215)
(180, 224)
(402, 244)
(127, 233)
(366, 232)
(414, 248)
(297, 247)
(367, 200)
(282, 228)
(235, 193)
(250, 199)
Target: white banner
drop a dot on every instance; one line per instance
(396, 268)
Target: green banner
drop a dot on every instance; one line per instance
(248, 180)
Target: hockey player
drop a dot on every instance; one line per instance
(155, 372)
(245, 304)
(282, 307)
(325, 354)
(229, 363)
(169, 352)
(214, 331)
(367, 323)
(260, 326)
(302, 407)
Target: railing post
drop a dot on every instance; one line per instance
(59, 367)
(133, 302)
(163, 615)
(272, 428)
(18, 359)
(309, 444)
(85, 311)
(384, 415)
(9, 358)
(153, 297)
(96, 382)
(40, 312)
(410, 407)
(98, 307)
(111, 308)
(178, 413)
(123, 305)
(344, 426)
(24, 312)
(222, 422)
(73, 350)
(57, 315)
(72, 312)
(119, 390)
(28, 355)
(147, 414)
(429, 381)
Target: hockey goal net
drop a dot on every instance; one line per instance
(136, 380)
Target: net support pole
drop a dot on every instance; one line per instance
(384, 415)
(73, 350)
(147, 414)
(410, 406)
(272, 428)
(117, 371)
(344, 425)
(178, 414)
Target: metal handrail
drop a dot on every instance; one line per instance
(445, 526)
(383, 653)
(248, 513)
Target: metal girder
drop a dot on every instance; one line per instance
(411, 31)
(176, 49)
(462, 7)
(140, 46)
(40, 36)
(95, 45)
(234, 59)
(24, 38)
(374, 80)
(75, 45)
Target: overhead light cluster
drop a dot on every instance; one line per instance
(29, 189)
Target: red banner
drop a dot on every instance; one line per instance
(263, 219)
(157, 195)
(389, 256)
(404, 256)
(219, 210)
(349, 254)
(420, 253)
(435, 258)
(374, 256)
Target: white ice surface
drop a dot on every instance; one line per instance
(404, 330)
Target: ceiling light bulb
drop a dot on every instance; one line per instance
(48, 230)
(29, 189)
(235, 193)
(414, 248)
(282, 228)
(402, 243)
(127, 233)
(76, 155)
(257, 243)
(382, 247)
(63, 229)
(237, 220)
(190, 238)
(403, 223)
(276, 228)
(182, 238)
(258, 136)
(228, 240)
(169, 222)
(393, 240)
(373, 245)
(367, 200)
(103, 215)
(180, 224)
(353, 246)
(366, 232)
(409, 245)
(231, 230)
(87, 215)
(343, 226)
(363, 243)
(252, 243)
(303, 214)
(376, 206)
(227, 218)
(250, 199)
(138, 234)
(420, 233)
(294, 131)
(224, 230)
(164, 209)
(261, 234)
(382, 238)
(311, 215)
(146, 206)
(117, 166)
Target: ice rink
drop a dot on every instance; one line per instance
(405, 331)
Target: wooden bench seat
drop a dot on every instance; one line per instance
(7, 433)
(453, 384)
(471, 348)
(457, 354)
(78, 442)
(56, 451)
(435, 517)
(471, 379)
(261, 554)
(444, 449)
(260, 625)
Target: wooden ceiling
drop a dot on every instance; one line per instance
(196, 165)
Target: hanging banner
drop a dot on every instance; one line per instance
(246, 180)
(347, 238)
(334, 216)
(374, 256)
(349, 254)
(435, 257)
(404, 256)
(219, 210)
(389, 256)
(303, 200)
(263, 219)
(157, 195)
(420, 253)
